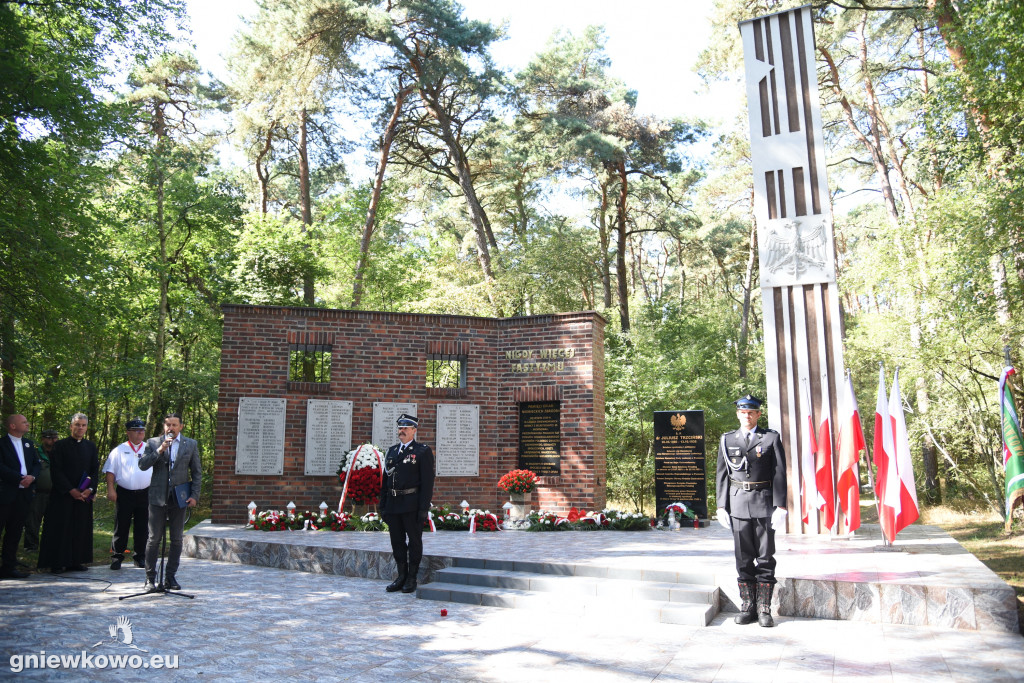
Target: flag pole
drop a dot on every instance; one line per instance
(871, 481)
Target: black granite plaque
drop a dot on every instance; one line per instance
(539, 438)
(679, 460)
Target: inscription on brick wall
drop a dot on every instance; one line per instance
(385, 431)
(260, 448)
(328, 435)
(540, 437)
(458, 440)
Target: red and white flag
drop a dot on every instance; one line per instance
(849, 444)
(883, 454)
(907, 512)
(808, 466)
(824, 473)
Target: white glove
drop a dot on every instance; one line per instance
(723, 518)
(779, 518)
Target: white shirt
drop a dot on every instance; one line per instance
(20, 450)
(174, 449)
(123, 463)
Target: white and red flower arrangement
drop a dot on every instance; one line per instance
(360, 474)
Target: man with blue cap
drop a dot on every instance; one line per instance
(406, 489)
(751, 490)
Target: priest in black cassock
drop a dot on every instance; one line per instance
(66, 544)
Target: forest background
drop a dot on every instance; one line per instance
(138, 195)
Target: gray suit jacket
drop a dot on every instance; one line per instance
(186, 468)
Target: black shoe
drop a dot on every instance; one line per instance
(151, 587)
(140, 563)
(115, 562)
(170, 583)
(764, 604)
(78, 568)
(12, 574)
(410, 581)
(748, 608)
(31, 548)
(58, 570)
(396, 585)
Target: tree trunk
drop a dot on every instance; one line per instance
(873, 149)
(306, 202)
(378, 185)
(748, 285)
(606, 264)
(162, 275)
(620, 245)
(481, 224)
(264, 174)
(7, 404)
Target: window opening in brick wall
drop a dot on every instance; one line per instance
(446, 371)
(309, 363)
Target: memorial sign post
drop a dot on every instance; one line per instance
(680, 462)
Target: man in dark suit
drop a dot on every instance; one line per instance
(175, 462)
(19, 467)
(751, 489)
(406, 489)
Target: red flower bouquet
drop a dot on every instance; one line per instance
(518, 481)
(363, 486)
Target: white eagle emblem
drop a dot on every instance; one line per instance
(795, 254)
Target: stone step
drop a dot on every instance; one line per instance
(588, 570)
(621, 610)
(624, 589)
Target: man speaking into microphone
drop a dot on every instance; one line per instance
(175, 462)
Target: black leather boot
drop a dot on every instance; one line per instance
(748, 610)
(410, 580)
(396, 585)
(764, 604)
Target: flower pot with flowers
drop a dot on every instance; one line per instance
(519, 484)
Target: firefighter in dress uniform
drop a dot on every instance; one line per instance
(751, 489)
(406, 489)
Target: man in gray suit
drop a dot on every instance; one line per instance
(175, 462)
(751, 489)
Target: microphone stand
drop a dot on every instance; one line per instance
(160, 588)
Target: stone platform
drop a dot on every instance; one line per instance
(930, 580)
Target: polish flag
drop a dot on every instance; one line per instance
(850, 444)
(808, 478)
(886, 481)
(907, 510)
(823, 477)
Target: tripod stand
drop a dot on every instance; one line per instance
(161, 589)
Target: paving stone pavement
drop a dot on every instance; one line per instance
(255, 623)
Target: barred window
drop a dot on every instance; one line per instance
(446, 371)
(309, 363)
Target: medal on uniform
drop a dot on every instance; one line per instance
(758, 451)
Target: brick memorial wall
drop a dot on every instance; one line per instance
(382, 358)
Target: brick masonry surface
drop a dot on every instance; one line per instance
(382, 357)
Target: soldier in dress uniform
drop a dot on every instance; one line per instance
(751, 488)
(405, 493)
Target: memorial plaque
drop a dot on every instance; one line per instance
(458, 440)
(539, 437)
(679, 460)
(260, 448)
(328, 435)
(385, 431)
